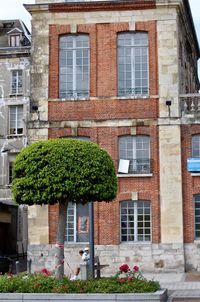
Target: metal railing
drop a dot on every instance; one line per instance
(74, 94)
(133, 92)
(139, 166)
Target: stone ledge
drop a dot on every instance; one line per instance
(160, 295)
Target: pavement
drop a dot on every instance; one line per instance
(180, 286)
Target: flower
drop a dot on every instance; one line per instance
(124, 268)
(129, 275)
(136, 268)
(121, 280)
(45, 271)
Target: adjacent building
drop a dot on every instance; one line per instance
(15, 45)
(122, 74)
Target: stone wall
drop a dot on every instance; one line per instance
(149, 257)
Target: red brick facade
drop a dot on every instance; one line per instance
(191, 183)
(106, 106)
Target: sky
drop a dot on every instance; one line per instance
(13, 9)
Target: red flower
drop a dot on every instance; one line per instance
(45, 271)
(136, 268)
(121, 280)
(124, 268)
(130, 278)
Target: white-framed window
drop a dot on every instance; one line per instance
(16, 120)
(14, 40)
(135, 221)
(196, 145)
(77, 228)
(133, 64)
(17, 82)
(197, 215)
(134, 154)
(74, 66)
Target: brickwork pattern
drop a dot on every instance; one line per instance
(105, 106)
(191, 184)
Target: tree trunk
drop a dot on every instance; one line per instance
(60, 239)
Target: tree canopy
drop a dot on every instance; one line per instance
(47, 172)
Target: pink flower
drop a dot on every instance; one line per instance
(136, 268)
(124, 268)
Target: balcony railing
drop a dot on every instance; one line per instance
(74, 94)
(133, 92)
(190, 103)
(136, 166)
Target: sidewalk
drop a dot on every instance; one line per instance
(181, 286)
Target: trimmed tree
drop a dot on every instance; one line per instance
(59, 171)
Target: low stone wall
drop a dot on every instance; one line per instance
(149, 257)
(160, 295)
(192, 256)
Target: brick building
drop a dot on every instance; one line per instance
(122, 74)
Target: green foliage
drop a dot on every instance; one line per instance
(57, 170)
(40, 283)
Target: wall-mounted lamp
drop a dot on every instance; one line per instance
(35, 108)
(168, 104)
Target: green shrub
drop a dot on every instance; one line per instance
(41, 283)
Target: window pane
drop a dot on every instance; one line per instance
(16, 119)
(136, 226)
(132, 64)
(74, 66)
(196, 146)
(136, 149)
(77, 228)
(17, 81)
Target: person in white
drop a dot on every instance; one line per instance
(85, 256)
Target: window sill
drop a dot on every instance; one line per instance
(133, 97)
(136, 243)
(14, 135)
(76, 243)
(74, 99)
(195, 174)
(16, 94)
(135, 175)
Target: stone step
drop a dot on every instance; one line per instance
(185, 295)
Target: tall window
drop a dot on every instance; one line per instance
(17, 81)
(135, 221)
(134, 154)
(196, 146)
(16, 120)
(197, 215)
(74, 66)
(133, 69)
(14, 40)
(77, 229)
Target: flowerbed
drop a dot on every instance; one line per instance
(125, 281)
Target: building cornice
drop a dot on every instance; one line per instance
(101, 5)
(92, 6)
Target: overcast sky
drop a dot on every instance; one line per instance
(13, 9)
